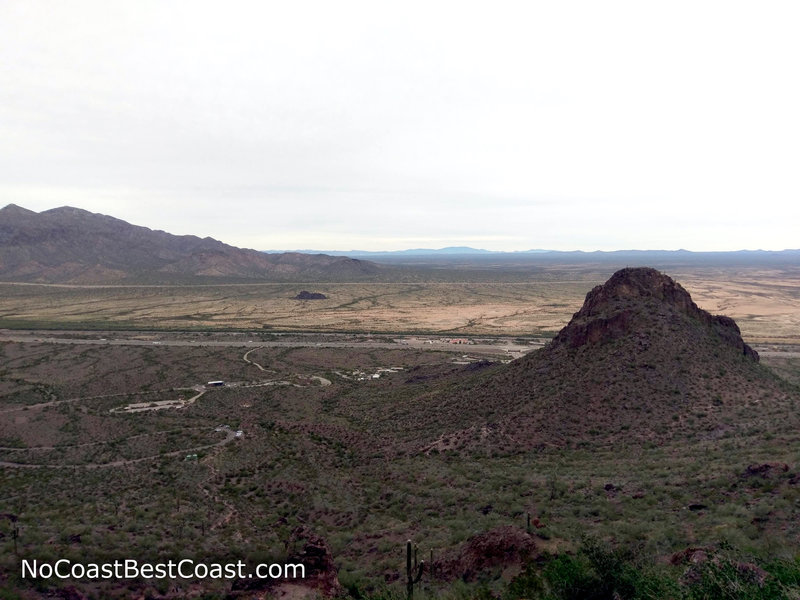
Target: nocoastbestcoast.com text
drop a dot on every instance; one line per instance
(171, 569)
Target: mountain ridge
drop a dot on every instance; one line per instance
(72, 245)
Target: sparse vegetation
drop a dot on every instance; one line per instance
(622, 502)
(329, 457)
(509, 301)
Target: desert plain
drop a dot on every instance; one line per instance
(113, 444)
(765, 302)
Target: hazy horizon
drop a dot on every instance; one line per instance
(356, 125)
(434, 249)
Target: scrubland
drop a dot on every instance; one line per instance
(337, 459)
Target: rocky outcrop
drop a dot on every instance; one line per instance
(306, 295)
(498, 549)
(765, 470)
(312, 551)
(610, 310)
(636, 283)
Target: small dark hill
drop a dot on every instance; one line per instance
(640, 361)
(71, 245)
(306, 295)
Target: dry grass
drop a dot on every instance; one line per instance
(765, 303)
(435, 307)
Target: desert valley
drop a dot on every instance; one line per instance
(545, 426)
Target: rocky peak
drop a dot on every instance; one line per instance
(16, 209)
(637, 283)
(12, 212)
(642, 301)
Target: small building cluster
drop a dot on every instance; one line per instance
(238, 433)
(360, 375)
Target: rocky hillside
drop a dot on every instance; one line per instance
(72, 245)
(638, 362)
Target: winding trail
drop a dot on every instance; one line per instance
(229, 437)
(323, 382)
(255, 364)
(143, 407)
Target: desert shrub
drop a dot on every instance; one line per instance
(726, 577)
(570, 577)
(528, 584)
(727, 581)
(595, 572)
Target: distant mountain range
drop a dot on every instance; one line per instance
(542, 254)
(71, 245)
(409, 252)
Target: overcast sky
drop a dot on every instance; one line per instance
(375, 125)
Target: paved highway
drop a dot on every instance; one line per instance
(421, 343)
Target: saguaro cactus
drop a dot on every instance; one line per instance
(411, 567)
